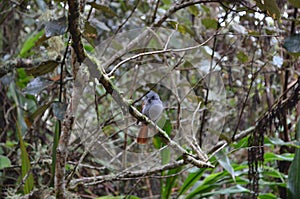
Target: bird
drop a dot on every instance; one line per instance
(152, 108)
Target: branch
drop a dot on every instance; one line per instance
(62, 149)
(171, 50)
(177, 7)
(126, 106)
(74, 29)
(144, 36)
(281, 104)
(125, 175)
(61, 156)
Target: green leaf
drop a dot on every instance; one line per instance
(167, 2)
(190, 181)
(170, 183)
(54, 146)
(295, 3)
(267, 196)
(90, 32)
(165, 155)
(207, 185)
(270, 6)
(294, 177)
(167, 127)
(144, 6)
(22, 78)
(43, 68)
(242, 57)
(243, 143)
(279, 142)
(225, 163)
(25, 166)
(210, 23)
(39, 111)
(273, 173)
(105, 9)
(268, 157)
(292, 44)
(30, 43)
(193, 10)
(298, 129)
(227, 191)
(4, 162)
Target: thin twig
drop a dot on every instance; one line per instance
(157, 52)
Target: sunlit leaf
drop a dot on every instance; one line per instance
(273, 157)
(267, 196)
(30, 43)
(210, 23)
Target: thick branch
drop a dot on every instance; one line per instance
(62, 149)
(74, 29)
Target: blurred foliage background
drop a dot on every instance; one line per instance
(253, 45)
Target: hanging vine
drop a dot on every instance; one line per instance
(274, 118)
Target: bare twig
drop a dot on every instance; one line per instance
(126, 175)
(157, 52)
(127, 106)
